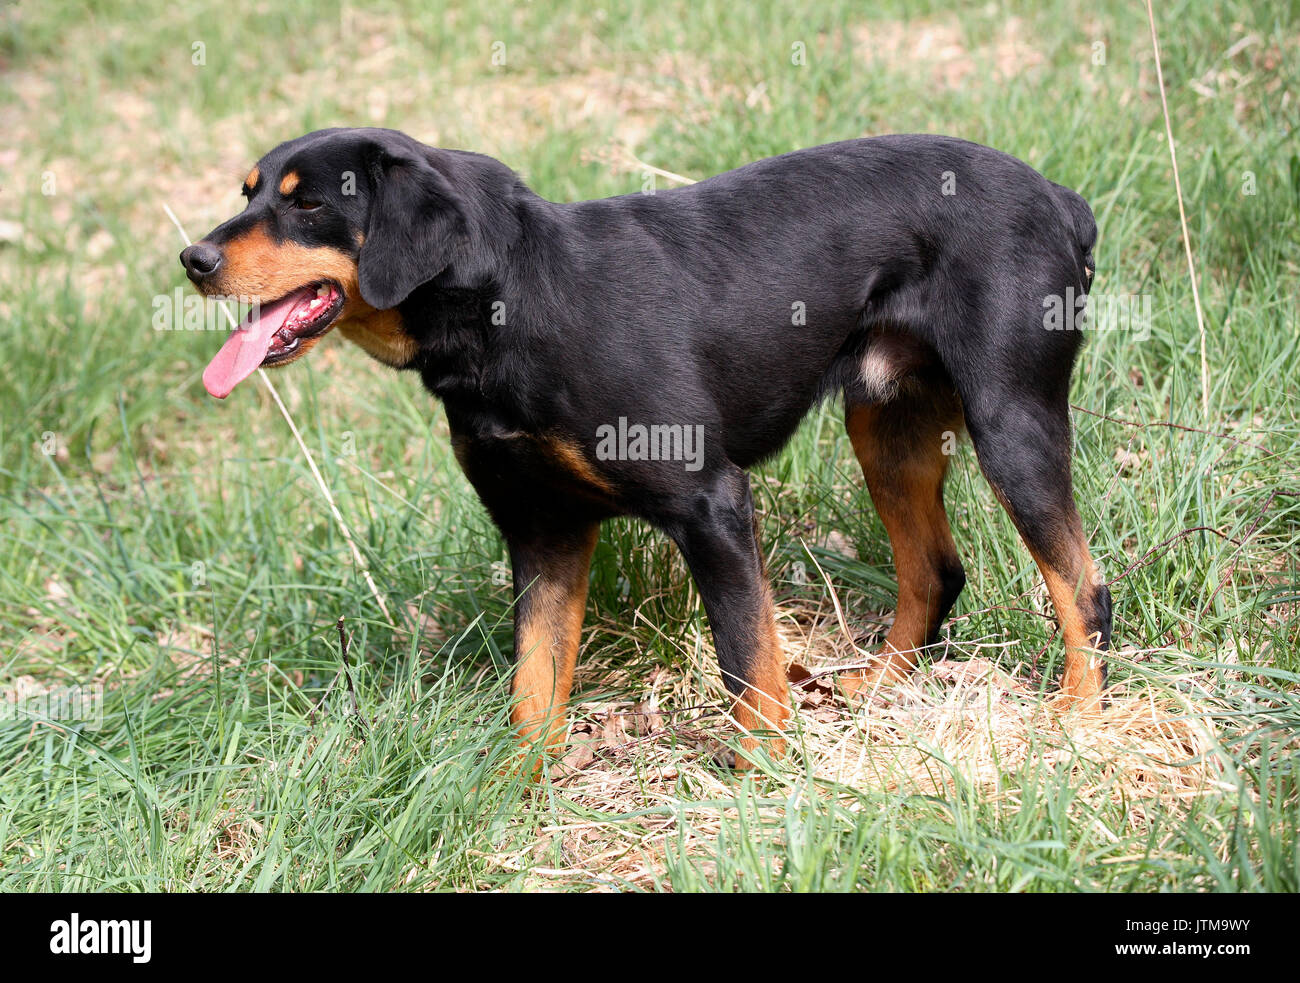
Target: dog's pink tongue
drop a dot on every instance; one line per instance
(246, 347)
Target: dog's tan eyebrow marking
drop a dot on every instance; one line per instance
(250, 182)
(288, 183)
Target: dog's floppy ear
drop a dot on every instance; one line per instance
(415, 222)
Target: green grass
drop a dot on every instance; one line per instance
(177, 551)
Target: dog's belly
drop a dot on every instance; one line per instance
(775, 374)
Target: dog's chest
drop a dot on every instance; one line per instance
(522, 467)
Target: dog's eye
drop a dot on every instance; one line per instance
(306, 204)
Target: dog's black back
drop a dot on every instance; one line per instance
(750, 294)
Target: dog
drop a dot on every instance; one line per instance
(636, 355)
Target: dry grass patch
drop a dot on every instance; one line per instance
(941, 50)
(648, 766)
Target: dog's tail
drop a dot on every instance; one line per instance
(1083, 223)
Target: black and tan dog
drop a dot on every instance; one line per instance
(635, 355)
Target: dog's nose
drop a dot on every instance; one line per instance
(201, 260)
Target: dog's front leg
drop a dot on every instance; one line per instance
(550, 570)
(717, 535)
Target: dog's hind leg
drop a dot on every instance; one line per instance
(1023, 440)
(904, 446)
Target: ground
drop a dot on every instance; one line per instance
(176, 558)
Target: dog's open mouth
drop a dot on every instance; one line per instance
(274, 334)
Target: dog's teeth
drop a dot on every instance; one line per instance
(322, 291)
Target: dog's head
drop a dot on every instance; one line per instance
(340, 227)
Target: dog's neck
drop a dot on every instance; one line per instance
(453, 331)
(466, 322)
